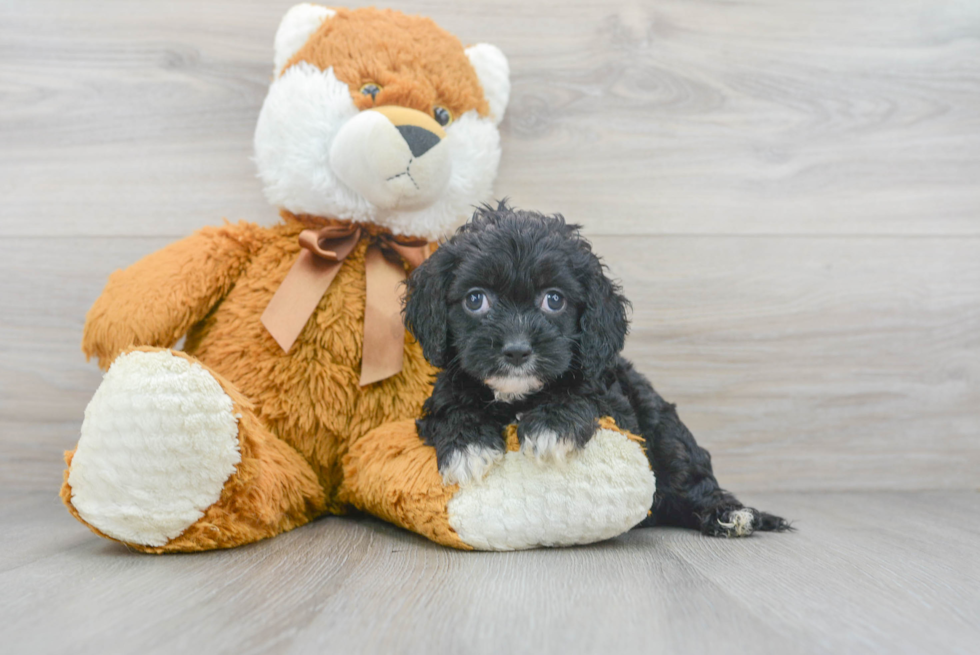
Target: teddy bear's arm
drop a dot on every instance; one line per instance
(155, 301)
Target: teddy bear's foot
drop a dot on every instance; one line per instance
(168, 460)
(603, 491)
(521, 503)
(158, 443)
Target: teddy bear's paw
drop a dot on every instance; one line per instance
(158, 443)
(601, 492)
(469, 464)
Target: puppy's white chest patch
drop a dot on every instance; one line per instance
(512, 388)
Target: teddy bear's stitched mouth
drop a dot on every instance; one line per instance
(408, 173)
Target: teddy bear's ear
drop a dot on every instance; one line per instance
(299, 23)
(494, 73)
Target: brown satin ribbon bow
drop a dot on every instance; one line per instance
(323, 251)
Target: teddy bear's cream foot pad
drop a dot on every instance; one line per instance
(158, 442)
(599, 493)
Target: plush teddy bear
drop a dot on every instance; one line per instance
(295, 393)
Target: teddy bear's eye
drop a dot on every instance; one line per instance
(371, 89)
(442, 115)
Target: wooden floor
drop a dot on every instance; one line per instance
(790, 193)
(866, 573)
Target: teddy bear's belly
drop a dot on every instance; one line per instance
(309, 397)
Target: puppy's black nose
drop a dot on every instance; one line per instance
(517, 353)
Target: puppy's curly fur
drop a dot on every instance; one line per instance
(520, 315)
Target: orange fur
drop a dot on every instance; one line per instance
(416, 63)
(272, 490)
(309, 398)
(309, 436)
(299, 411)
(609, 423)
(390, 473)
(156, 300)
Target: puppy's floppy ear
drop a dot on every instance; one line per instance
(426, 315)
(603, 324)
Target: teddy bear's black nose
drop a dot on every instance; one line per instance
(419, 139)
(517, 353)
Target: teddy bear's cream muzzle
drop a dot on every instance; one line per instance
(395, 157)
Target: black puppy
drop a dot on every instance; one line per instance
(518, 312)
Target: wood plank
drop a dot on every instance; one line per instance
(788, 192)
(867, 569)
(809, 364)
(49, 284)
(814, 363)
(32, 454)
(866, 572)
(674, 117)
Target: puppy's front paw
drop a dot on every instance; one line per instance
(550, 434)
(547, 445)
(468, 463)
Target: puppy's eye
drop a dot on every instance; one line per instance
(442, 115)
(553, 302)
(371, 89)
(476, 302)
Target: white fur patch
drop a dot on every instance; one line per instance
(547, 446)
(511, 388)
(740, 523)
(305, 110)
(603, 492)
(469, 465)
(493, 72)
(295, 29)
(158, 442)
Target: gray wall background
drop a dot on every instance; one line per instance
(789, 191)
